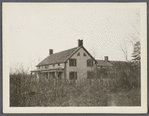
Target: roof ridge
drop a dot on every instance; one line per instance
(64, 51)
(112, 60)
(117, 61)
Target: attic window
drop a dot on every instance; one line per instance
(84, 54)
(89, 63)
(72, 62)
(78, 54)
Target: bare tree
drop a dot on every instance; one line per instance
(133, 36)
(124, 50)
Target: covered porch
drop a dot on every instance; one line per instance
(49, 74)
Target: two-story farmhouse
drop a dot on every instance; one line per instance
(72, 64)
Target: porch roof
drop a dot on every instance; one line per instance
(50, 70)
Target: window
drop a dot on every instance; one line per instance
(73, 75)
(78, 54)
(84, 54)
(53, 64)
(58, 64)
(72, 62)
(46, 66)
(89, 62)
(90, 75)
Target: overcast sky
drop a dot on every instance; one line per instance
(33, 29)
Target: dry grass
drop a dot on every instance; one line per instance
(121, 88)
(125, 98)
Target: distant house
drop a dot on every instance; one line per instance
(73, 64)
(104, 63)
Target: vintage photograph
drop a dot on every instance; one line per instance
(74, 55)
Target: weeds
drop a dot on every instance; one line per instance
(29, 91)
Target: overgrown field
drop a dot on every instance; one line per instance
(119, 88)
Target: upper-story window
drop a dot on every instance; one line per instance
(78, 54)
(72, 62)
(84, 54)
(89, 63)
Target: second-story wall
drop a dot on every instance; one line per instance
(81, 65)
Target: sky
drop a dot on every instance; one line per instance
(32, 29)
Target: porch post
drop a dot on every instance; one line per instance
(37, 76)
(48, 75)
(55, 84)
(54, 79)
(31, 74)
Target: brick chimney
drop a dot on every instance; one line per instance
(50, 51)
(106, 58)
(80, 43)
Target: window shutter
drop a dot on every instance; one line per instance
(71, 75)
(75, 62)
(87, 63)
(70, 62)
(75, 75)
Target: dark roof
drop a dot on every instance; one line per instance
(118, 62)
(103, 63)
(58, 57)
(61, 57)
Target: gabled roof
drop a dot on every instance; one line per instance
(103, 63)
(90, 54)
(61, 57)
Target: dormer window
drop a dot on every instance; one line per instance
(78, 54)
(72, 62)
(84, 54)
